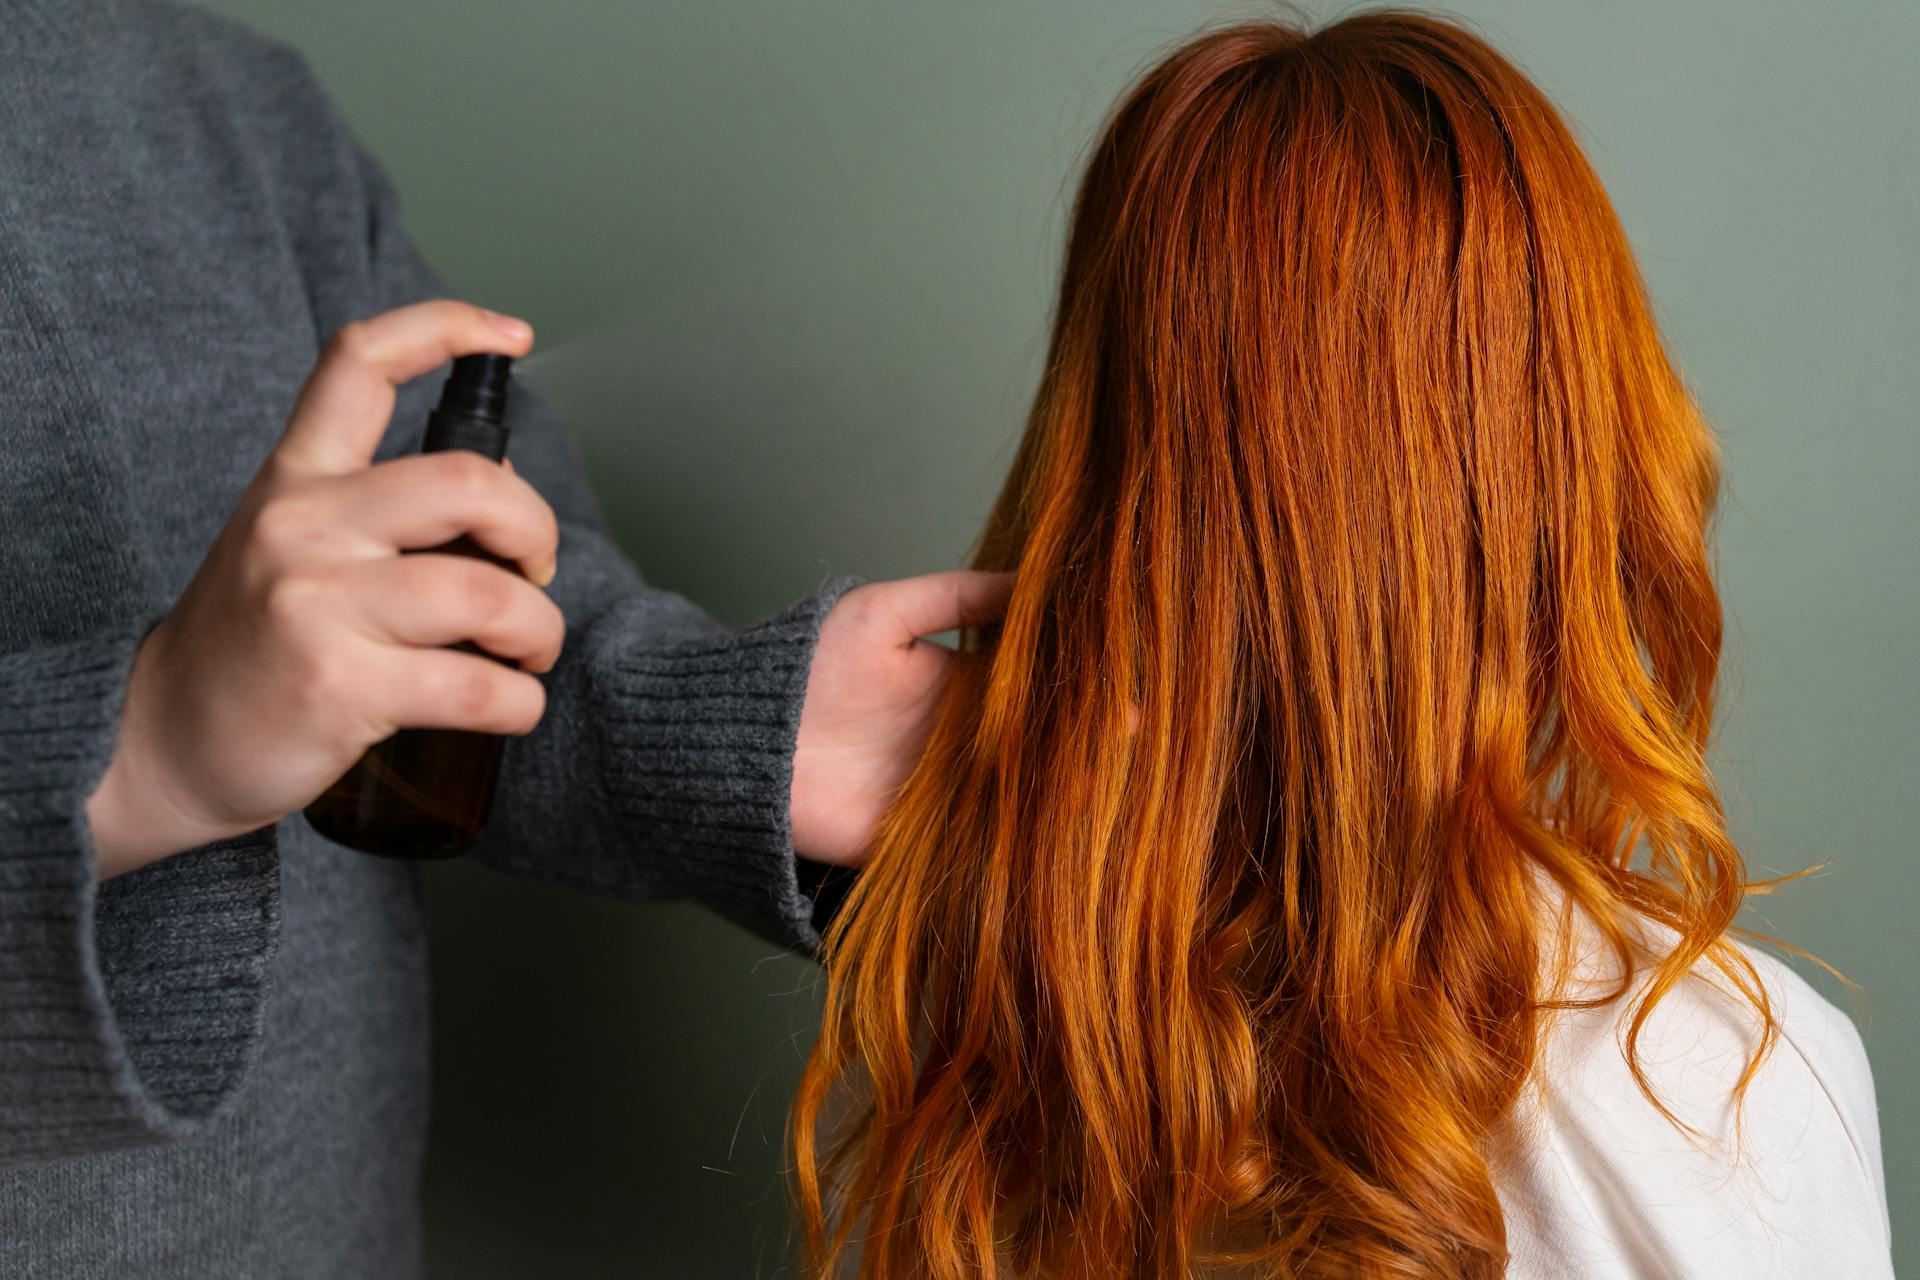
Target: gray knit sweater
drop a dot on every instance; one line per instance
(215, 1067)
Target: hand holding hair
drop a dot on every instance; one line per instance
(872, 691)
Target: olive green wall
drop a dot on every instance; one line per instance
(791, 264)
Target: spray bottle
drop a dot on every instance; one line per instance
(426, 793)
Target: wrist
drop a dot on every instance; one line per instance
(133, 813)
(135, 822)
(117, 846)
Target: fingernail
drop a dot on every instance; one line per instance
(543, 577)
(518, 330)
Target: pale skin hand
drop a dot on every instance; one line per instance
(305, 637)
(871, 695)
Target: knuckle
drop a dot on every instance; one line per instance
(466, 473)
(322, 676)
(352, 342)
(326, 686)
(290, 600)
(284, 524)
(475, 692)
(867, 607)
(485, 592)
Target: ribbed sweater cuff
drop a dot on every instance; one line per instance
(128, 1011)
(703, 765)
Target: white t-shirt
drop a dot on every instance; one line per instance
(1596, 1183)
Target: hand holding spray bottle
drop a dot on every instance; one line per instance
(426, 793)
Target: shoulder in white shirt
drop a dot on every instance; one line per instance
(1595, 1182)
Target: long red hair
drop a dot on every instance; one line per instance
(1363, 586)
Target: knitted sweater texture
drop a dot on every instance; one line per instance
(215, 1066)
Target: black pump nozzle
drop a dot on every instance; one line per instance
(477, 387)
(473, 407)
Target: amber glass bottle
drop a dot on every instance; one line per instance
(426, 793)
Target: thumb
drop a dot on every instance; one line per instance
(936, 602)
(344, 408)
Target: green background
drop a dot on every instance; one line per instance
(791, 264)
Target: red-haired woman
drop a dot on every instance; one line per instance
(1318, 873)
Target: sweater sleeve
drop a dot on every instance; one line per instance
(663, 764)
(128, 1011)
